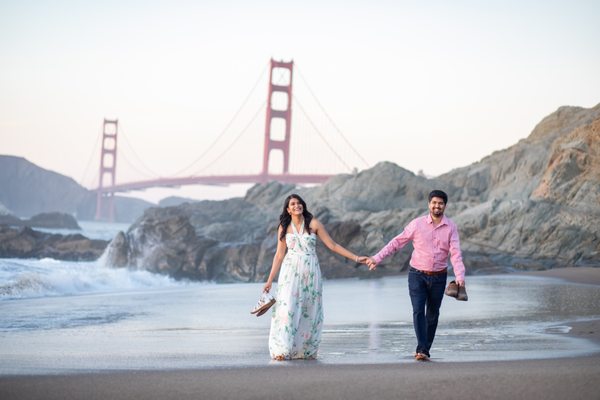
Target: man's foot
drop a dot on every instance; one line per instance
(421, 357)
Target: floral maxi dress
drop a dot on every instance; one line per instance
(297, 318)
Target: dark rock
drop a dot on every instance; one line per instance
(54, 220)
(205, 240)
(28, 243)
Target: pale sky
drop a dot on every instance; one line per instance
(430, 86)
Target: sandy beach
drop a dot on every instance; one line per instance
(573, 378)
(548, 379)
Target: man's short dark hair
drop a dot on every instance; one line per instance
(438, 193)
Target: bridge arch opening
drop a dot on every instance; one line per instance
(276, 165)
(278, 128)
(281, 76)
(280, 101)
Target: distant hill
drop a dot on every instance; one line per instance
(27, 190)
(534, 205)
(175, 201)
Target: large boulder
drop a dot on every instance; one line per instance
(207, 240)
(28, 243)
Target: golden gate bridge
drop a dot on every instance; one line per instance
(277, 138)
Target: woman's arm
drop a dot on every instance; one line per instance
(277, 260)
(317, 227)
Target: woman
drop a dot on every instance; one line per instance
(298, 312)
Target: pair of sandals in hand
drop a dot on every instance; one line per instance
(458, 292)
(265, 302)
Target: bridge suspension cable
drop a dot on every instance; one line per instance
(320, 134)
(149, 172)
(90, 159)
(227, 126)
(331, 119)
(235, 140)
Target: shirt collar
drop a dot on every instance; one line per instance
(444, 220)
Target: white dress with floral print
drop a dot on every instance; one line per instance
(297, 318)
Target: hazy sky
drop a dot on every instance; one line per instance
(428, 85)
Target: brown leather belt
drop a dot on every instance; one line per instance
(430, 273)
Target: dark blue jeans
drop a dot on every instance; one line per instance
(426, 294)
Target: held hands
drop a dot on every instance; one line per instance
(368, 261)
(371, 263)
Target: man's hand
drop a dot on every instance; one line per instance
(371, 263)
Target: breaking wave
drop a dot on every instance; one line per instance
(21, 279)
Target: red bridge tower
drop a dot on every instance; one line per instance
(282, 142)
(105, 207)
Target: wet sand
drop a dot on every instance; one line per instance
(531, 379)
(573, 378)
(585, 275)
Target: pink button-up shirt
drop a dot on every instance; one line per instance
(431, 245)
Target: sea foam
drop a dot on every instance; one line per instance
(48, 277)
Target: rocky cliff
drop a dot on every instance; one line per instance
(534, 205)
(26, 189)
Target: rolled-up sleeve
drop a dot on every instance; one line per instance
(456, 255)
(396, 243)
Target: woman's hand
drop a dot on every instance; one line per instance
(267, 286)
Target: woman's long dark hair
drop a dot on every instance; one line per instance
(285, 219)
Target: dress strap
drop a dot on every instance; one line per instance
(295, 231)
(300, 242)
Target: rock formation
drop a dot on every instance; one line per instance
(54, 220)
(531, 206)
(28, 243)
(534, 205)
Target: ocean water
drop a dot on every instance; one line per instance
(58, 317)
(92, 229)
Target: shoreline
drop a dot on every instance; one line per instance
(590, 329)
(583, 275)
(552, 378)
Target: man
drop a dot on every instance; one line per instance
(434, 236)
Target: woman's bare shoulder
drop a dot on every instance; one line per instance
(315, 225)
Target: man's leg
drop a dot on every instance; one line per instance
(434, 301)
(417, 288)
